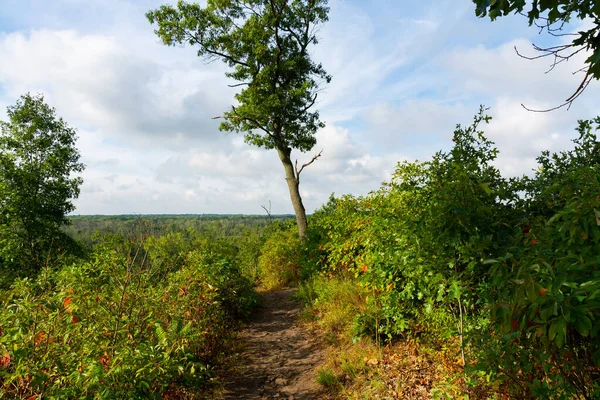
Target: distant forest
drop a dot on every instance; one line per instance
(89, 229)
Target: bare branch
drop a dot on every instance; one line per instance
(584, 83)
(239, 84)
(548, 51)
(551, 52)
(569, 102)
(557, 52)
(298, 171)
(560, 53)
(267, 211)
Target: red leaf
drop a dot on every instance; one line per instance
(364, 268)
(5, 360)
(514, 324)
(32, 397)
(75, 319)
(104, 360)
(39, 337)
(67, 301)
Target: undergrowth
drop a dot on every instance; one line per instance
(463, 283)
(143, 319)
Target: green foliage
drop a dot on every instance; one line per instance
(38, 159)
(334, 301)
(132, 322)
(418, 243)
(84, 227)
(327, 377)
(508, 268)
(250, 246)
(280, 259)
(546, 291)
(265, 43)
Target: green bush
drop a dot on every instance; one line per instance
(119, 326)
(250, 245)
(509, 267)
(280, 259)
(545, 293)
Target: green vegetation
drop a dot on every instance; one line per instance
(449, 281)
(37, 161)
(132, 311)
(490, 285)
(500, 275)
(135, 320)
(89, 229)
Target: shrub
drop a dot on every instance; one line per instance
(280, 259)
(545, 293)
(118, 326)
(508, 267)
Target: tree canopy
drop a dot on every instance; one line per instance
(266, 44)
(38, 160)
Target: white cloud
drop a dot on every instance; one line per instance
(97, 83)
(400, 85)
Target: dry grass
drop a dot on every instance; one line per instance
(358, 369)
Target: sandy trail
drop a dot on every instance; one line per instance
(278, 357)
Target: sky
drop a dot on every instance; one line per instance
(404, 74)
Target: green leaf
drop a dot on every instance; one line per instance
(531, 292)
(546, 313)
(583, 325)
(486, 188)
(558, 331)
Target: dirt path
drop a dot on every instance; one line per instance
(278, 357)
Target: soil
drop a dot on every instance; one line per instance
(278, 357)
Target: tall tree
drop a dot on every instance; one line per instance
(266, 44)
(552, 15)
(37, 161)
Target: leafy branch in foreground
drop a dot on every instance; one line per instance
(552, 16)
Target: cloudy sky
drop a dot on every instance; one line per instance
(404, 74)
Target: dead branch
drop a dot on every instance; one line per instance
(239, 84)
(268, 211)
(569, 102)
(226, 117)
(560, 54)
(298, 171)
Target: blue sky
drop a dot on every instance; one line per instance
(404, 74)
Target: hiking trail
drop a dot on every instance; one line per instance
(278, 357)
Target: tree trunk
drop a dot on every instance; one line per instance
(294, 187)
